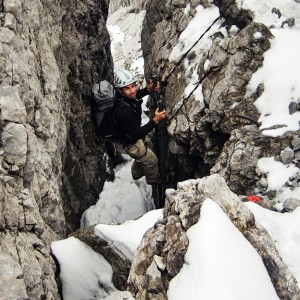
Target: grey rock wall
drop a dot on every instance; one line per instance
(119, 262)
(136, 4)
(161, 253)
(220, 135)
(160, 256)
(84, 58)
(215, 135)
(52, 166)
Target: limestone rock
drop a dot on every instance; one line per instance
(291, 204)
(245, 147)
(134, 4)
(12, 282)
(12, 107)
(119, 262)
(148, 281)
(52, 165)
(14, 140)
(219, 134)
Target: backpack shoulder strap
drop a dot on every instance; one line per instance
(121, 103)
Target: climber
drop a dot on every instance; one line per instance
(130, 133)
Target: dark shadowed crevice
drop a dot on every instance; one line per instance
(85, 59)
(196, 162)
(232, 14)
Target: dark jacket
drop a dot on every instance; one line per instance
(128, 114)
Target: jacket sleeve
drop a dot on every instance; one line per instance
(142, 93)
(129, 127)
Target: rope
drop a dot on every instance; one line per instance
(211, 70)
(185, 100)
(249, 119)
(187, 52)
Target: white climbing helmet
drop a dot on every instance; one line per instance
(123, 78)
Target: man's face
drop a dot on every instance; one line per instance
(129, 91)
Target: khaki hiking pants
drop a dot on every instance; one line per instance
(145, 161)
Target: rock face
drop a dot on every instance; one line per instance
(219, 133)
(136, 4)
(160, 256)
(51, 165)
(84, 59)
(119, 262)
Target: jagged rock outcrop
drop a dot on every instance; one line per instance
(136, 4)
(161, 253)
(160, 256)
(119, 262)
(213, 134)
(125, 53)
(246, 146)
(51, 166)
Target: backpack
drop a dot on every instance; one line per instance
(102, 100)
